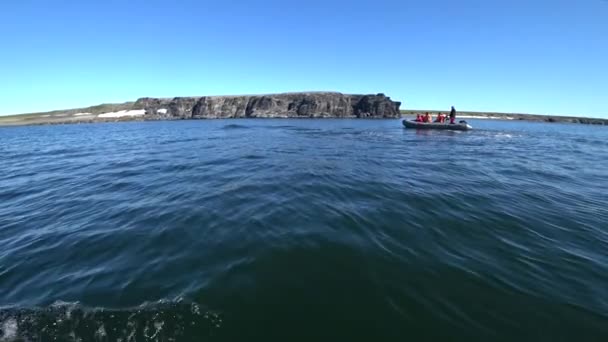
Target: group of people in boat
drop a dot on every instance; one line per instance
(441, 118)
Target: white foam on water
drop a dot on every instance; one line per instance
(122, 113)
(101, 332)
(9, 330)
(195, 309)
(70, 306)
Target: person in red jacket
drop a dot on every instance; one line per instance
(428, 118)
(440, 118)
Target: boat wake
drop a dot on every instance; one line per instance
(72, 322)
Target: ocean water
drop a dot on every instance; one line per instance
(281, 230)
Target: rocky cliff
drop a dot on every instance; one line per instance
(287, 105)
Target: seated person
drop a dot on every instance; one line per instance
(418, 118)
(428, 118)
(440, 118)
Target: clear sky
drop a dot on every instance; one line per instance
(536, 56)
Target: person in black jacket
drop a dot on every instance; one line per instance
(452, 115)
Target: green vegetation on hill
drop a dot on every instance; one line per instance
(63, 115)
(98, 109)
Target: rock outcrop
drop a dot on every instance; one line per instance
(287, 105)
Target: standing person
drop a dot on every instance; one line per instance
(452, 115)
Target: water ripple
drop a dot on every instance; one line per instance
(294, 229)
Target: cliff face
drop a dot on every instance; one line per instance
(288, 105)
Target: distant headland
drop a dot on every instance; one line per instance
(283, 105)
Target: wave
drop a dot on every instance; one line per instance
(163, 321)
(235, 126)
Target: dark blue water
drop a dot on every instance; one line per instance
(264, 230)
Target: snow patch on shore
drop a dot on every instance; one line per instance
(162, 111)
(82, 114)
(122, 113)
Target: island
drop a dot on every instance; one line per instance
(285, 105)
(282, 105)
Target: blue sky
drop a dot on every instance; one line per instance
(537, 56)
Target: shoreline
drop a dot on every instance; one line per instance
(14, 121)
(310, 105)
(140, 119)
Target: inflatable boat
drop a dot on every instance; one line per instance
(461, 126)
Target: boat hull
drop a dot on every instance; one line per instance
(436, 125)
